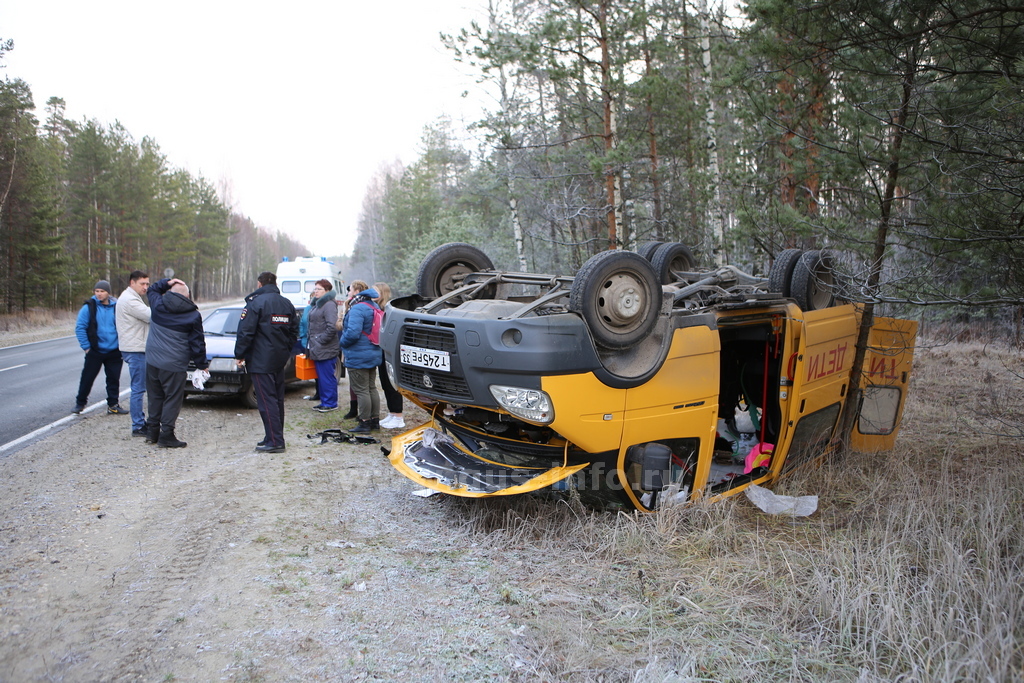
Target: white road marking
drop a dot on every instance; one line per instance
(63, 420)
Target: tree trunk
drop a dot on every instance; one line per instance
(613, 186)
(716, 212)
(881, 238)
(506, 157)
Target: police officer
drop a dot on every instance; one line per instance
(267, 331)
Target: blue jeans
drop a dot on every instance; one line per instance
(136, 361)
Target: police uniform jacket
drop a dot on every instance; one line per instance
(267, 331)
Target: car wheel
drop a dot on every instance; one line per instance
(671, 258)
(248, 394)
(648, 249)
(443, 268)
(618, 295)
(781, 272)
(813, 283)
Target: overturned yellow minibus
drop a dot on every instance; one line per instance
(641, 380)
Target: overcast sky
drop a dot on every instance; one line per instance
(295, 104)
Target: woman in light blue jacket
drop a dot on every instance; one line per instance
(361, 355)
(302, 346)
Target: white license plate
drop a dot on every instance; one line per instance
(425, 358)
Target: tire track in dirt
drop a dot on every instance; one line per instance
(126, 529)
(200, 522)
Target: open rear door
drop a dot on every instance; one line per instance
(887, 366)
(821, 377)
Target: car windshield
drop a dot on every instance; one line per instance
(222, 321)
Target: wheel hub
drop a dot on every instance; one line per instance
(452, 276)
(821, 287)
(622, 302)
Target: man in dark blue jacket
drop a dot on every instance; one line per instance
(267, 331)
(175, 338)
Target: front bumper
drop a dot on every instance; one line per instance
(434, 460)
(219, 383)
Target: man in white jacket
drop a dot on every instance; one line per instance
(132, 317)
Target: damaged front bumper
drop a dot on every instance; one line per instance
(433, 459)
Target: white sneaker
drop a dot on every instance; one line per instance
(392, 422)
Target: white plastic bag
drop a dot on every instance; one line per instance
(432, 438)
(774, 504)
(199, 378)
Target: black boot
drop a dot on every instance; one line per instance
(152, 434)
(352, 411)
(375, 424)
(363, 427)
(168, 440)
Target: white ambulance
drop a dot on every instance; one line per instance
(297, 278)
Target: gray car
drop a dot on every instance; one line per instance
(226, 378)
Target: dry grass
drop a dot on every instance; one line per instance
(41, 324)
(38, 324)
(910, 571)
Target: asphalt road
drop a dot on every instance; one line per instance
(38, 383)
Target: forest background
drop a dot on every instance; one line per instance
(891, 134)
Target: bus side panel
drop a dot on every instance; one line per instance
(887, 367)
(681, 401)
(821, 376)
(824, 358)
(588, 412)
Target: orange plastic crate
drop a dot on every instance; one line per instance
(304, 367)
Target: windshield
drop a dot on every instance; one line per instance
(222, 321)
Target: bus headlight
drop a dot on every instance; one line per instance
(530, 404)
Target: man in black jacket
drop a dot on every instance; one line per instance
(175, 337)
(266, 334)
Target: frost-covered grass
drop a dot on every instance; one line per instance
(911, 570)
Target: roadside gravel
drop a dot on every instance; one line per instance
(123, 561)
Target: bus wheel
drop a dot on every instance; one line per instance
(619, 297)
(648, 249)
(813, 284)
(671, 258)
(782, 271)
(443, 269)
